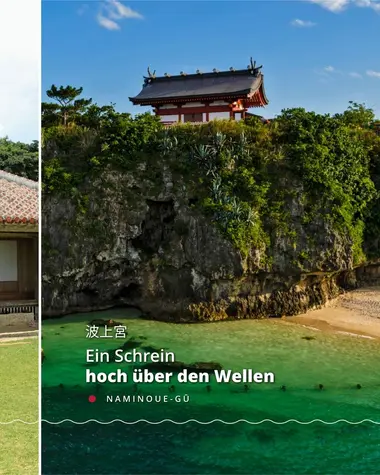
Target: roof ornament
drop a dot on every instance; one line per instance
(167, 75)
(183, 73)
(254, 69)
(151, 75)
(215, 70)
(148, 79)
(232, 69)
(198, 71)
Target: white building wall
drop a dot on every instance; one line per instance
(218, 103)
(8, 261)
(219, 115)
(169, 118)
(168, 106)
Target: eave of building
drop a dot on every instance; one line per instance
(22, 221)
(194, 98)
(247, 95)
(17, 228)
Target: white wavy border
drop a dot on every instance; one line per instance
(194, 420)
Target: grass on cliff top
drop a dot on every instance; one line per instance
(19, 363)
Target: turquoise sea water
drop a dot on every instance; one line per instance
(338, 362)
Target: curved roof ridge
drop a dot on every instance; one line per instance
(19, 180)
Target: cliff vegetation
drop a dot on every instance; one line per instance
(231, 212)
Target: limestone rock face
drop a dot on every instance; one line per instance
(142, 243)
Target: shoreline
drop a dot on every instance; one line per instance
(355, 313)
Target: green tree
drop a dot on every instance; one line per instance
(358, 115)
(19, 158)
(68, 106)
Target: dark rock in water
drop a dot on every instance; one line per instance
(151, 349)
(211, 366)
(178, 366)
(130, 344)
(99, 322)
(265, 437)
(308, 337)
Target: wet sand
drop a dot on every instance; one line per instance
(356, 312)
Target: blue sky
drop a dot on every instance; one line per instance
(316, 54)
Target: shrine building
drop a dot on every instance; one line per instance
(202, 97)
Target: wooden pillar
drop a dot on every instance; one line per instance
(207, 111)
(179, 106)
(36, 267)
(232, 115)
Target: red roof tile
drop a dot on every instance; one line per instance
(18, 200)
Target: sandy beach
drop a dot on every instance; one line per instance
(356, 312)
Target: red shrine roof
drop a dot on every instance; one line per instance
(18, 200)
(233, 84)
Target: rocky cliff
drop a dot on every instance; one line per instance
(143, 243)
(209, 222)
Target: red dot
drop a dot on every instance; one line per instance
(92, 398)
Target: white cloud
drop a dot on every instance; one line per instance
(373, 74)
(107, 23)
(331, 72)
(20, 56)
(302, 23)
(355, 75)
(119, 11)
(374, 4)
(337, 6)
(112, 12)
(332, 5)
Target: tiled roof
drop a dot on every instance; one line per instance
(212, 85)
(18, 199)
